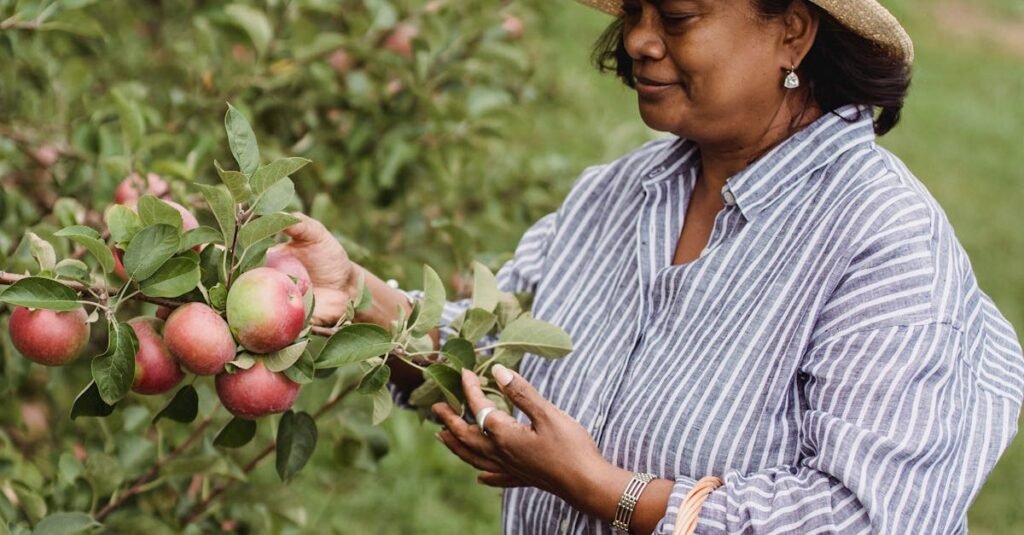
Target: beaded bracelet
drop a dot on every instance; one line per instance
(629, 499)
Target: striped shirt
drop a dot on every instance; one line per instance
(829, 355)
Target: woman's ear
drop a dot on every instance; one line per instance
(800, 23)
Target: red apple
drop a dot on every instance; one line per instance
(156, 369)
(341, 61)
(199, 338)
(291, 266)
(400, 39)
(48, 337)
(133, 187)
(513, 27)
(256, 392)
(265, 310)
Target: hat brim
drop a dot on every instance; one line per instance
(866, 18)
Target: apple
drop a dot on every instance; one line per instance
(513, 27)
(49, 337)
(256, 392)
(156, 369)
(291, 266)
(265, 310)
(199, 338)
(341, 61)
(133, 187)
(400, 39)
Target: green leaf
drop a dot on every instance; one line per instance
(39, 292)
(535, 336)
(236, 182)
(476, 324)
(296, 441)
(460, 353)
(264, 227)
(284, 358)
(254, 23)
(71, 268)
(153, 211)
(485, 288)
(122, 223)
(90, 239)
(365, 297)
(354, 343)
(89, 403)
(382, 404)
(304, 369)
(29, 500)
(175, 278)
(507, 357)
(374, 379)
(508, 309)
(432, 304)
(183, 407)
(219, 297)
(224, 209)
(149, 249)
(114, 370)
(426, 395)
(276, 198)
(242, 140)
(449, 380)
(133, 124)
(65, 524)
(42, 251)
(268, 175)
(199, 236)
(237, 433)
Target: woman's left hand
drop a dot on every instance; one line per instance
(553, 452)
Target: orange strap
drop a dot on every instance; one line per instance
(689, 510)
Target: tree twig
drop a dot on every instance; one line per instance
(138, 486)
(202, 506)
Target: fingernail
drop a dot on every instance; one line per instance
(501, 374)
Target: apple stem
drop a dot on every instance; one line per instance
(219, 490)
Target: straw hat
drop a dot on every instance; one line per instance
(866, 18)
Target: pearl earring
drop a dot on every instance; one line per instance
(792, 81)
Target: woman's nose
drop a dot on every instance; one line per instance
(642, 38)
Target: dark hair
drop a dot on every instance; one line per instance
(841, 68)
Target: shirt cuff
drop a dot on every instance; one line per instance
(712, 514)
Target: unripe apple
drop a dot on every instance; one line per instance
(199, 338)
(119, 263)
(265, 310)
(133, 187)
(400, 39)
(188, 221)
(291, 266)
(156, 369)
(48, 337)
(256, 392)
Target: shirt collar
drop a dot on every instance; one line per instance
(817, 145)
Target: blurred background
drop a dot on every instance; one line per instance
(439, 131)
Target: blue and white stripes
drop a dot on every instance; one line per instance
(830, 355)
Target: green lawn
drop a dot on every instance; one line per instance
(961, 135)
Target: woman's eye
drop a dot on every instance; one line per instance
(676, 18)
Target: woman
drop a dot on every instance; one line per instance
(768, 297)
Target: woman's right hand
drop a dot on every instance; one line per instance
(335, 278)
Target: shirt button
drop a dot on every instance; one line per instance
(727, 196)
(705, 252)
(564, 526)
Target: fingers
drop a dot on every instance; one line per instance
(473, 458)
(522, 394)
(307, 230)
(494, 478)
(465, 433)
(497, 420)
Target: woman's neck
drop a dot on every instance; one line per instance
(721, 160)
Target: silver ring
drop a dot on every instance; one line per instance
(481, 417)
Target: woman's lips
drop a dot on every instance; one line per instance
(650, 88)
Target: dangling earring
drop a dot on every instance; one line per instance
(792, 81)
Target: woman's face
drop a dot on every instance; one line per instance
(707, 70)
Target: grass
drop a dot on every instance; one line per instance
(960, 134)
